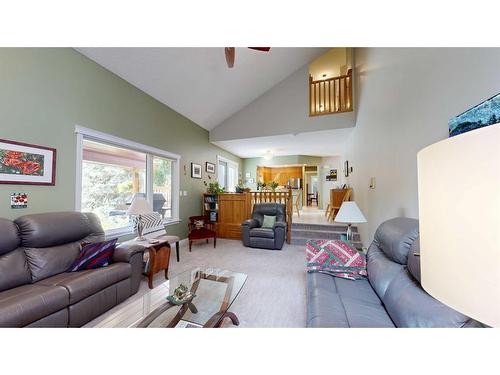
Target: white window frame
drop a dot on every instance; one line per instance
(90, 134)
(228, 162)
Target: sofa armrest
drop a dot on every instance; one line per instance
(250, 223)
(245, 230)
(125, 251)
(279, 234)
(279, 224)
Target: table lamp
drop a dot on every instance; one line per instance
(349, 213)
(459, 210)
(139, 207)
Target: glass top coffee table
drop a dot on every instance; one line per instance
(215, 290)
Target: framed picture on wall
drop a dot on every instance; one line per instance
(332, 176)
(195, 170)
(209, 167)
(27, 164)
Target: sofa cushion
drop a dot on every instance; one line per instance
(14, 270)
(262, 232)
(336, 302)
(325, 309)
(25, 304)
(414, 260)
(83, 284)
(410, 306)
(321, 281)
(94, 255)
(363, 314)
(48, 261)
(9, 236)
(381, 270)
(356, 289)
(201, 234)
(395, 236)
(58, 228)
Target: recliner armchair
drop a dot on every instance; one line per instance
(253, 235)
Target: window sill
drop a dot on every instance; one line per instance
(171, 221)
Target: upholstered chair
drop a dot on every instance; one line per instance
(254, 235)
(204, 231)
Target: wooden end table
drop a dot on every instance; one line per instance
(159, 255)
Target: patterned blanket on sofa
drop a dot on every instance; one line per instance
(336, 258)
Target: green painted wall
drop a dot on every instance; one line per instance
(250, 164)
(45, 92)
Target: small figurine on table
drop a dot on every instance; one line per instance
(181, 295)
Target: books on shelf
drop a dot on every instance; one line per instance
(210, 198)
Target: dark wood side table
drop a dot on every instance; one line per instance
(159, 255)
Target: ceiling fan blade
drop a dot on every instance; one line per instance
(262, 49)
(229, 51)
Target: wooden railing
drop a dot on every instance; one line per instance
(284, 197)
(332, 95)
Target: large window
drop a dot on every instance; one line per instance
(112, 172)
(227, 173)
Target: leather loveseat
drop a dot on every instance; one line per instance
(391, 296)
(253, 235)
(36, 290)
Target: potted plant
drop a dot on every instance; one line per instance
(214, 188)
(273, 185)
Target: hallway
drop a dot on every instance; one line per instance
(310, 215)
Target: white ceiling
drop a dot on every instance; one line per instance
(196, 82)
(320, 143)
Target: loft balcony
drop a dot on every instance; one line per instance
(330, 95)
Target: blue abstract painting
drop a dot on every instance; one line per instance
(484, 114)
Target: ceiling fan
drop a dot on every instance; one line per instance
(230, 52)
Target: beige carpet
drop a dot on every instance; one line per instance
(274, 294)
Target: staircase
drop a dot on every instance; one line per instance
(303, 232)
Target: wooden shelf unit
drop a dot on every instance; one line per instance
(231, 209)
(211, 206)
(234, 208)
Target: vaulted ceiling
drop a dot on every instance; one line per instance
(196, 82)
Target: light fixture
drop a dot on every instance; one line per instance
(349, 213)
(459, 212)
(268, 155)
(139, 207)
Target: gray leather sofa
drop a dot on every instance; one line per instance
(36, 290)
(253, 235)
(391, 296)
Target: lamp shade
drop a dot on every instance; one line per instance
(139, 206)
(459, 209)
(349, 212)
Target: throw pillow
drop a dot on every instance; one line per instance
(199, 224)
(269, 221)
(152, 222)
(94, 255)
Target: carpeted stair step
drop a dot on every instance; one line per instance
(302, 232)
(323, 227)
(322, 234)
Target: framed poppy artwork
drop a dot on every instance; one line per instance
(27, 164)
